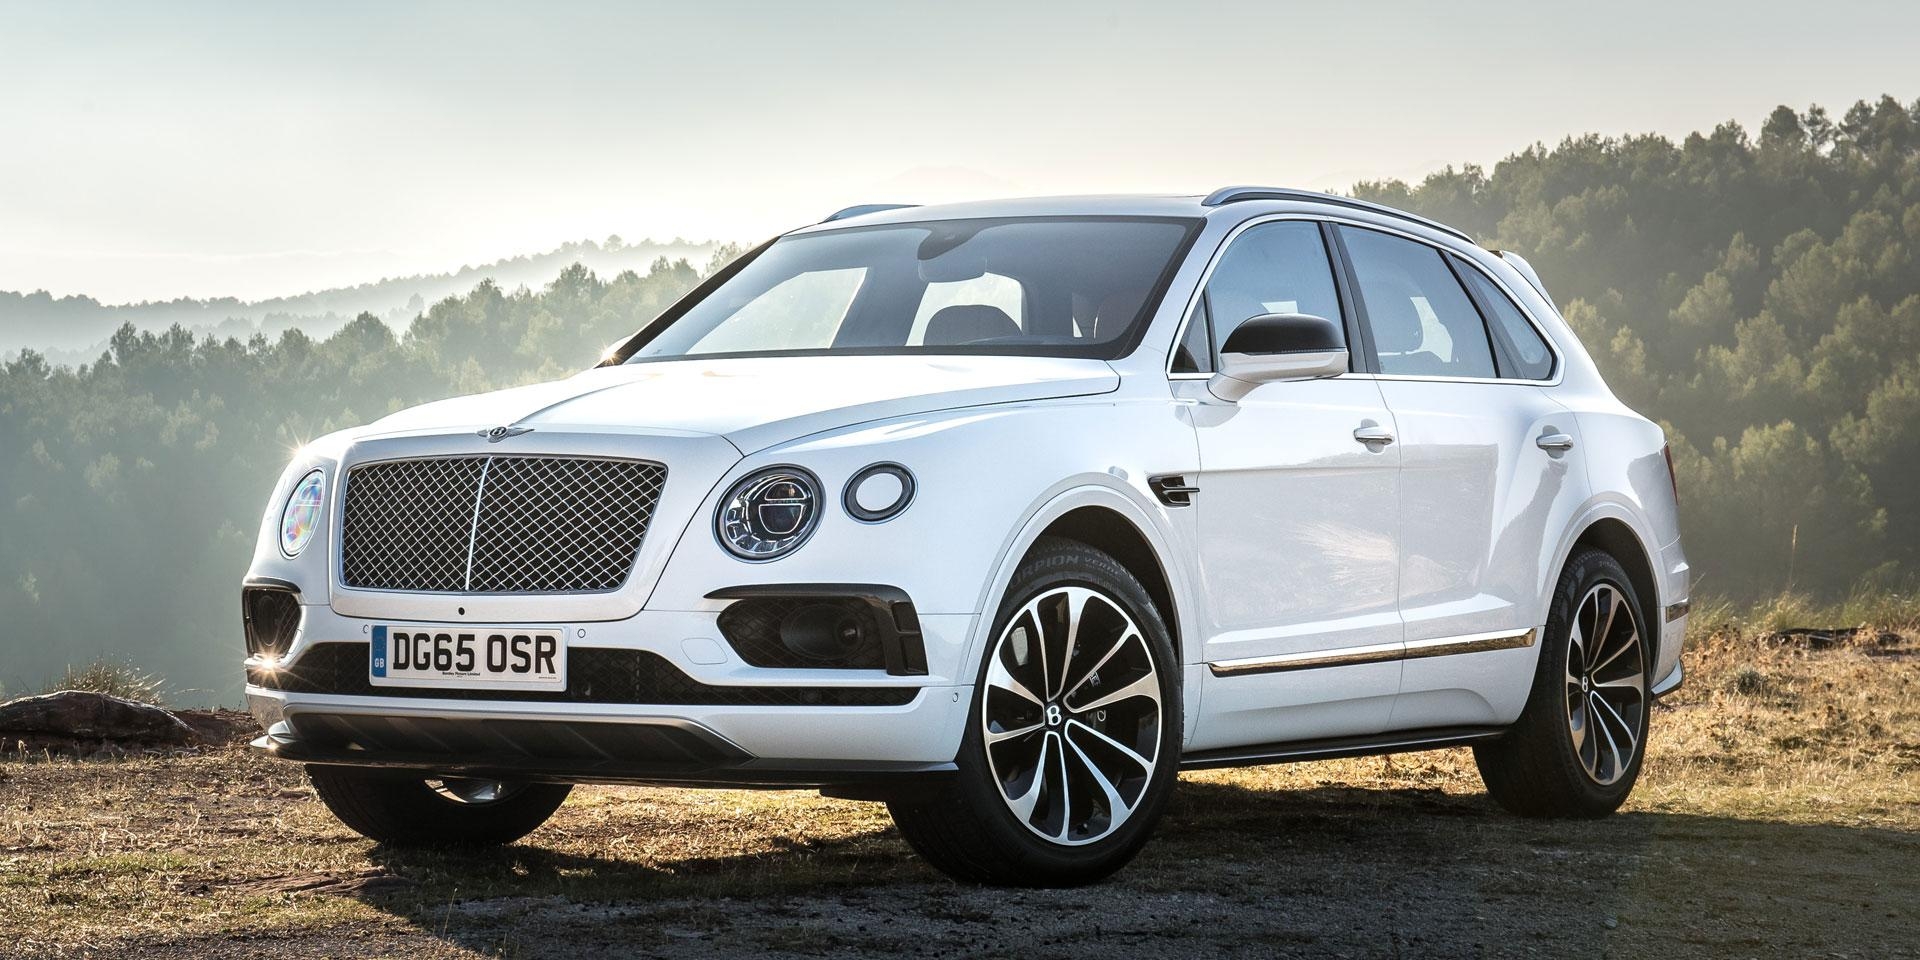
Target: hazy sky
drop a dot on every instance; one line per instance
(156, 150)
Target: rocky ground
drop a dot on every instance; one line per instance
(1779, 814)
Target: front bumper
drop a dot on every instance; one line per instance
(750, 722)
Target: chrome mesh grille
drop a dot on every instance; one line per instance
(503, 524)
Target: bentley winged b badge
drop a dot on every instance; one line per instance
(498, 434)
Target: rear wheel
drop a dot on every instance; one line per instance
(1072, 745)
(452, 811)
(1577, 747)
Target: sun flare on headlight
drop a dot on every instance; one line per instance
(302, 514)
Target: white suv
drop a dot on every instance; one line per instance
(1002, 513)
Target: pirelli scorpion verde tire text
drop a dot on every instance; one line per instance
(1073, 742)
(411, 812)
(1577, 748)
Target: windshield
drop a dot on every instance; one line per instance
(1062, 287)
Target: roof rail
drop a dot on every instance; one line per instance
(1235, 194)
(865, 208)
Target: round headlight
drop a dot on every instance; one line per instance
(769, 514)
(302, 514)
(878, 493)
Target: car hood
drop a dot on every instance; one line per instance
(759, 401)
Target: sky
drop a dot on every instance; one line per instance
(150, 151)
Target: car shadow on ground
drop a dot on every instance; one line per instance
(1231, 871)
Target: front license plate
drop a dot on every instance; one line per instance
(477, 658)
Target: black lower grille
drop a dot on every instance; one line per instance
(594, 675)
(753, 627)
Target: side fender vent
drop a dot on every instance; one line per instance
(1173, 490)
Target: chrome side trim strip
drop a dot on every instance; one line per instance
(1471, 643)
(1375, 653)
(1677, 610)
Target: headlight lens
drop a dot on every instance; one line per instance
(302, 514)
(769, 514)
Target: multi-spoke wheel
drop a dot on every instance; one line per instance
(450, 811)
(1606, 685)
(1070, 750)
(1577, 746)
(1070, 715)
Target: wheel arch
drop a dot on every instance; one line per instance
(1101, 527)
(1617, 538)
(1108, 519)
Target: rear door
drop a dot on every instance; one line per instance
(1488, 458)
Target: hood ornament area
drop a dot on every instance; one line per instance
(498, 434)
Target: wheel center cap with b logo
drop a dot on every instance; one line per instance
(1054, 716)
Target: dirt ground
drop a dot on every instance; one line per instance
(1778, 815)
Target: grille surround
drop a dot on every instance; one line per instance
(496, 524)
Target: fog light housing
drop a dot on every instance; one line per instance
(825, 632)
(270, 613)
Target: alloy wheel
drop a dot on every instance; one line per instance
(1070, 714)
(1606, 685)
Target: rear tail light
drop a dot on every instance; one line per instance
(1666, 450)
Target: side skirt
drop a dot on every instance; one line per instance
(1333, 748)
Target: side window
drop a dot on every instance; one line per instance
(1279, 267)
(1195, 352)
(1523, 354)
(1423, 324)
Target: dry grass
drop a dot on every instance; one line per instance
(113, 677)
(1779, 813)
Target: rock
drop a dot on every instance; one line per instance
(92, 716)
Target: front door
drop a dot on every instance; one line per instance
(1297, 515)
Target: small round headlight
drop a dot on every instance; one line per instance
(878, 493)
(769, 514)
(301, 517)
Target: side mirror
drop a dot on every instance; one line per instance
(1278, 346)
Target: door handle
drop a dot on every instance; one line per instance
(1554, 442)
(1372, 435)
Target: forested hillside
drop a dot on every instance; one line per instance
(1757, 292)
(76, 327)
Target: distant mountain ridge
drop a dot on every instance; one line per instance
(74, 329)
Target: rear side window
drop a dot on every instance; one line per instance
(1422, 321)
(1279, 267)
(1524, 355)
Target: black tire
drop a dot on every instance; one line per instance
(1535, 769)
(968, 831)
(410, 812)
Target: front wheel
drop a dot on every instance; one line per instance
(1577, 747)
(1072, 744)
(413, 812)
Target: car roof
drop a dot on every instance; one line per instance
(1232, 202)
